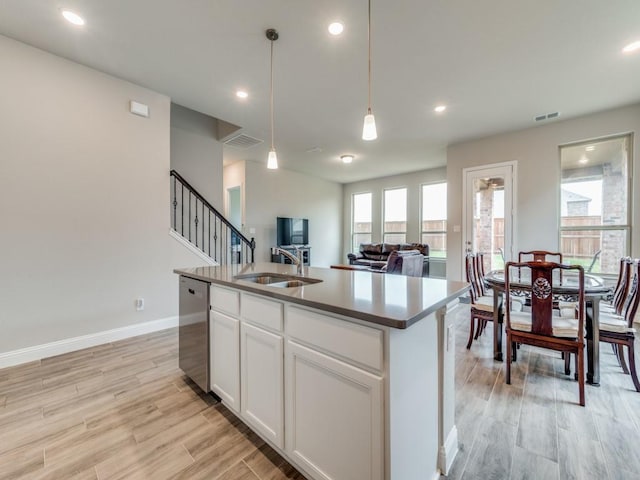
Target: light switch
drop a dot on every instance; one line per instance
(456, 228)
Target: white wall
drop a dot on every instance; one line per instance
(536, 150)
(196, 154)
(84, 201)
(412, 181)
(269, 194)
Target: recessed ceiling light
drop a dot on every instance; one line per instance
(73, 17)
(632, 47)
(590, 148)
(347, 158)
(336, 28)
(440, 108)
(241, 94)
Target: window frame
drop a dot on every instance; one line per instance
(627, 226)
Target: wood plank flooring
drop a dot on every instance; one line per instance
(535, 428)
(125, 411)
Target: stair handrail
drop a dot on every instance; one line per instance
(251, 243)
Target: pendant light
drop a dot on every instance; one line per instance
(369, 129)
(272, 159)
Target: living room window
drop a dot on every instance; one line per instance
(395, 216)
(595, 203)
(434, 219)
(361, 223)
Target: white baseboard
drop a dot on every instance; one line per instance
(448, 451)
(37, 352)
(191, 247)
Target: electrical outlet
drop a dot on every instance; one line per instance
(139, 304)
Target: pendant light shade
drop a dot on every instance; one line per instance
(272, 159)
(369, 128)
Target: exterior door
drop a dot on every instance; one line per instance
(489, 213)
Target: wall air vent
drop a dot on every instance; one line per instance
(547, 116)
(243, 141)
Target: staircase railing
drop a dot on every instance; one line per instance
(206, 228)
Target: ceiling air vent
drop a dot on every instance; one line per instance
(242, 141)
(547, 116)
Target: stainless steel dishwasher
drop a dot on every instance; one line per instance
(193, 331)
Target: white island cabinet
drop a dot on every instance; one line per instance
(343, 383)
(335, 414)
(224, 346)
(262, 367)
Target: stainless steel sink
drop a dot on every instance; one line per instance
(277, 280)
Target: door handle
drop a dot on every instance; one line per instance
(192, 291)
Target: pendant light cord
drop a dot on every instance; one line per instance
(271, 99)
(369, 40)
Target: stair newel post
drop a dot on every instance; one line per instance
(182, 209)
(253, 247)
(174, 203)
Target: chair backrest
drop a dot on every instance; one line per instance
(630, 305)
(472, 278)
(542, 294)
(539, 256)
(479, 271)
(622, 285)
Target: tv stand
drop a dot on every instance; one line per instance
(306, 254)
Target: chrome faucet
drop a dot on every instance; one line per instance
(296, 259)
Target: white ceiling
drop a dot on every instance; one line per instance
(495, 63)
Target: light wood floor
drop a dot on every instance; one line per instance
(124, 410)
(535, 428)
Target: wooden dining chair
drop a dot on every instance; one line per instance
(543, 326)
(618, 330)
(481, 310)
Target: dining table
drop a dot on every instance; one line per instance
(565, 288)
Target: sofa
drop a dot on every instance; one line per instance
(376, 255)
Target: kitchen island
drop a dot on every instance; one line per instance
(349, 375)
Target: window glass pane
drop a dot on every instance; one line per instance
(395, 211)
(359, 238)
(362, 209)
(594, 197)
(361, 228)
(395, 238)
(434, 218)
(605, 259)
(437, 244)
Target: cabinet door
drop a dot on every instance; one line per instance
(334, 416)
(262, 385)
(224, 358)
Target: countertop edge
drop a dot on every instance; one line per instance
(367, 317)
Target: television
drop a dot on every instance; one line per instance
(292, 231)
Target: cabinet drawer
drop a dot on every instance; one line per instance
(225, 300)
(262, 311)
(362, 345)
